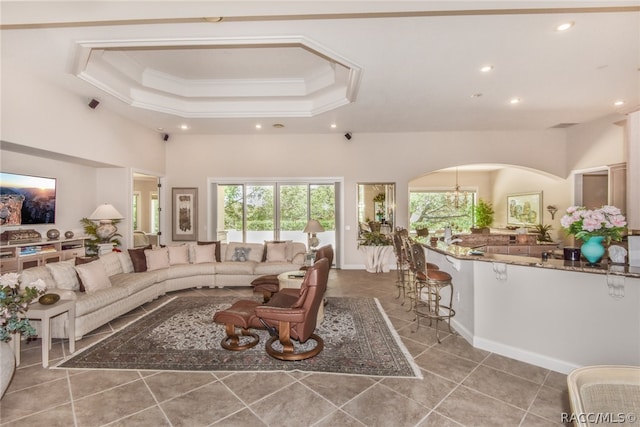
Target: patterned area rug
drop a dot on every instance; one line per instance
(181, 336)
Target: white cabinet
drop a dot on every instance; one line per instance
(18, 256)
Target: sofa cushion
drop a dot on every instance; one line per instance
(274, 268)
(134, 282)
(138, 259)
(65, 275)
(157, 258)
(178, 254)
(93, 276)
(232, 267)
(187, 270)
(111, 262)
(218, 247)
(204, 254)
(90, 302)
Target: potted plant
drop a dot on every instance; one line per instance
(484, 217)
(543, 233)
(374, 238)
(13, 305)
(91, 245)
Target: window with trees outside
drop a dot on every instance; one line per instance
(435, 210)
(255, 212)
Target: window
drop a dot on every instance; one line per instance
(437, 209)
(155, 213)
(136, 210)
(251, 212)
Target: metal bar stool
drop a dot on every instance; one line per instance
(402, 262)
(429, 283)
(417, 267)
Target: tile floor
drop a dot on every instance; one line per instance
(461, 386)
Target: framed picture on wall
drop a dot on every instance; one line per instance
(524, 209)
(185, 213)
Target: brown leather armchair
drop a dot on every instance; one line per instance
(287, 317)
(269, 284)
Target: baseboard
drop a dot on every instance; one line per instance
(524, 355)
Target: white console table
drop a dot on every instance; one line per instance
(44, 313)
(375, 257)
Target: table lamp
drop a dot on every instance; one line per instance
(313, 227)
(105, 214)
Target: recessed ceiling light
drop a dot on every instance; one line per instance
(476, 95)
(258, 126)
(619, 103)
(486, 68)
(565, 26)
(278, 125)
(184, 127)
(333, 125)
(515, 101)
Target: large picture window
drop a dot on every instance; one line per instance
(255, 212)
(435, 210)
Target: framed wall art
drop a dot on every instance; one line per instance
(185, 214)
(524, 209)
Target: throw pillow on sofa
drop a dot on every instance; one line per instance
(278, 251)
(178, 254)
(203, 254)
(138, 259)
(240, 254)
(157, 258)
(93, 276)
(84, 260)
(218, 246)
(255, 254)
(65, 275)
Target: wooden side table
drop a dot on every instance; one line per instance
(45, 313)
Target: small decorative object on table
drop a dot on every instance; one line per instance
(68, 234)
(48, 299)
(13, 302)
(594, 226)
(53, 234)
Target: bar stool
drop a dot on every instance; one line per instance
(429, 283)
(402, 262)
(417, 266)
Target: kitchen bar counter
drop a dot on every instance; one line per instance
(462, 252)
(555, 314)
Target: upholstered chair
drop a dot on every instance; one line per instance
(289, 318)
(269, 284)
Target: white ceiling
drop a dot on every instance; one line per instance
(374, 66)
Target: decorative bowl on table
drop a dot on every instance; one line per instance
(48, 299)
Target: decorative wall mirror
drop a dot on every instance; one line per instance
(376, 207)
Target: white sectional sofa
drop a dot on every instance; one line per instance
(118, 282)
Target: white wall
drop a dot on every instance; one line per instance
(395, 158)
(39, 115)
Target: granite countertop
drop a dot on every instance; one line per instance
(467, 253)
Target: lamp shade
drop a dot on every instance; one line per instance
(104, 212)
(313, 226)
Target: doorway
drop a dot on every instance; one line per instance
(146, 210)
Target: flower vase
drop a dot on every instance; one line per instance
(7, 366)
(593, 249)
